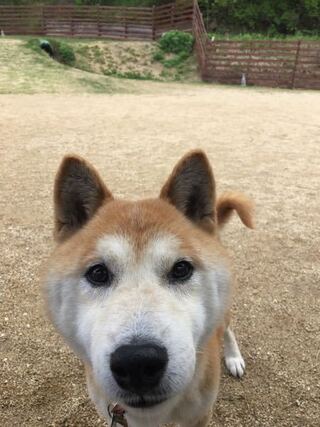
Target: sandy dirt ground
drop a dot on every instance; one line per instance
(265, 143)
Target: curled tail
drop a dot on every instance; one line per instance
(231, 201)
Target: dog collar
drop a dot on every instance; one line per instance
(117, 415)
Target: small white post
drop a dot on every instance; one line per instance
(243, 80)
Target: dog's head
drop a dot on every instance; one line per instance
(137, 288)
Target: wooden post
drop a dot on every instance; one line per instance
(153, 23)
(249, 60)
(43, 21)
(72, 15)
(193, 16)
(125, 23)
(173, 7)
(295, 65)
(98, 20)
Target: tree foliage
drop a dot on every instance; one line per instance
(265, 16)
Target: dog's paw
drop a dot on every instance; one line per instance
(235, 365)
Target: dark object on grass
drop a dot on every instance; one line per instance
(46, 46)
(60, 51)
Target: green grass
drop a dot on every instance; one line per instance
(25, 68)
(133, 75)
(177, 61)
(100, 66)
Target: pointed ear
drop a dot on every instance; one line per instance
(191, 189)
(78, 193)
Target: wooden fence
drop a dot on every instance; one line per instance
(96, 21)
(200, 35)
(285, 64)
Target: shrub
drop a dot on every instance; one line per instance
(158, 56)
(62, 52)
(176, 42)
(176, 60)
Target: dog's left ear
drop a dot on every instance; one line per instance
(191, 189)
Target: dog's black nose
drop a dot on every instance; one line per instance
(139, 367)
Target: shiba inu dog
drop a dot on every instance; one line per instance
(141, 291)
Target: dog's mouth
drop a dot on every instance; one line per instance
(145, 402)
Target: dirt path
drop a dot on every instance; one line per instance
(265, 143)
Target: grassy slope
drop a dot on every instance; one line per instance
(23, 70)
(140, 60)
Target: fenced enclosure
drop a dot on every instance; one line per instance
(273, 63)
(96, 21)
(281, 64)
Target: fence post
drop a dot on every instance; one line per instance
(72, 23)
(173, 7)
(193, 15)
(153, 23)
(201, 38)
(295, 65)
(249, 60)
(98, 20)
(125, 23)
(43, 22)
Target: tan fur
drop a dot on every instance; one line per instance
(210, 361)
(229, 202)
(79, 185)
(140, 220)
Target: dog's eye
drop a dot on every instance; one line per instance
(181, 271)
(98, 275)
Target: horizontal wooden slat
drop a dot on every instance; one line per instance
(72, 20)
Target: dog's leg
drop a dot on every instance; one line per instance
(232, 356)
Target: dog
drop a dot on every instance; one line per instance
(141, 292)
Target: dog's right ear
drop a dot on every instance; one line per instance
(78, 193)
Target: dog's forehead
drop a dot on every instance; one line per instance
(126, 230)
(149, 227)
(140, 220)
(124, 248)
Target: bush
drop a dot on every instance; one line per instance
(62, 52)
(176, 60)
(176, 42)
(158, 56)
